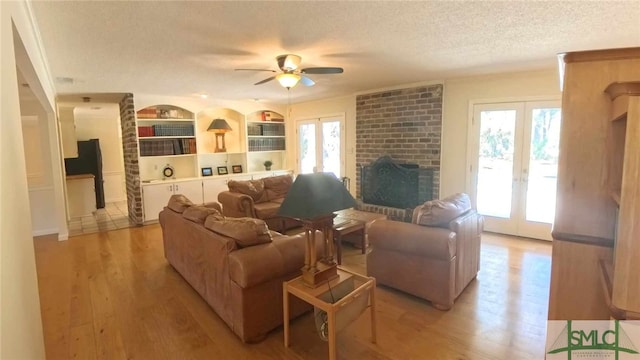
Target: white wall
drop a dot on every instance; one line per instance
(342, 105)
(105, 126)
(20, 320)
(460, 93)
(39, 169)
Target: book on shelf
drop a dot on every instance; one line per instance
(145, 131)
(167, 147)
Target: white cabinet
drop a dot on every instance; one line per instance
(156, 196)
(212, 187)
(81, 195)
(271, 173)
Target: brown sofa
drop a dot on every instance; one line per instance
(236, 265)
(259, 199)
(434, 257)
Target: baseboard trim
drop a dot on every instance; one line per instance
(44, 232)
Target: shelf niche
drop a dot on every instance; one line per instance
(166, 136)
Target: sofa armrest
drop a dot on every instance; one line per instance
(421, 240)
(236, 204)
(258, 264)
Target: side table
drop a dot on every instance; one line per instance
(363, 216)
(339, 313)
(342, 227)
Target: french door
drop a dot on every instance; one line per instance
(514, 166)
(321, 145)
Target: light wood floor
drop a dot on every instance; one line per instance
(112, 295)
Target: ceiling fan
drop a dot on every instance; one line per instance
(291, 74)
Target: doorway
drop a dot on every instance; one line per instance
(321, 145)
(514, 165)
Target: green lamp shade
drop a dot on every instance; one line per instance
(315, 195)
(219, 126)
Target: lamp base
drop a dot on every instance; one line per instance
(220, 139)
(324, 272)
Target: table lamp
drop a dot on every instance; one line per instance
(219, 127)
(312, 199)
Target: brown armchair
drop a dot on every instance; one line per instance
(437, 255)
(259, 199)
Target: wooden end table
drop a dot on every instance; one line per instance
(343, 227)
(351, 303)
(362, 216)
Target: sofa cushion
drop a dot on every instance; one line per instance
(267, 210)
(253, 188)
(179, 203)
(198, 213)
(245, 231)
(441, 212)
(276, 187)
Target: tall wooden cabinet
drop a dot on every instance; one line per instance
(598, 194)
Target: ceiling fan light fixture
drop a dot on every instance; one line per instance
(288, 80)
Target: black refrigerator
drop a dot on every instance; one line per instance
(89, 161)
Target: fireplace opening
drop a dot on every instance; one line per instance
(386, 182)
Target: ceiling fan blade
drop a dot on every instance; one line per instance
(255, 70)
(322, 70)
(265, 80)
(306, 81)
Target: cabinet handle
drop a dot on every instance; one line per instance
(170, 187)
(176, 187)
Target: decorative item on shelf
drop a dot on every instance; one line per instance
(312, 199)
(267, 165)
(236, 169)
(220, 127)
(206, 171)
(168, 172)
(222, 170)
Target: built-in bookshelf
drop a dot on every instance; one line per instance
(266, 140)
(172, 136)
(166, 133)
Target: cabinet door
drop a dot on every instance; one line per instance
(212, 187)
(155, 198)
(191, 189)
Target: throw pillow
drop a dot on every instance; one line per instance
(253, 188)
(179, 203)
(441, 212)
(198, 213)
(245, 231)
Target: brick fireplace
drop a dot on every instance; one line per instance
(405, 125)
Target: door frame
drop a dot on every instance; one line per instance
(341, 116)
(473, 140)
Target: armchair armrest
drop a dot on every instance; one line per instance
(236, 204)
(421, 240)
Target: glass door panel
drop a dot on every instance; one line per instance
(543, 165)
(331, 140)
(307, 147)
(495, 162)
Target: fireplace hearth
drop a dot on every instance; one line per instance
(386, 182)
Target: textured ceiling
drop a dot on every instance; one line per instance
(182, 48)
